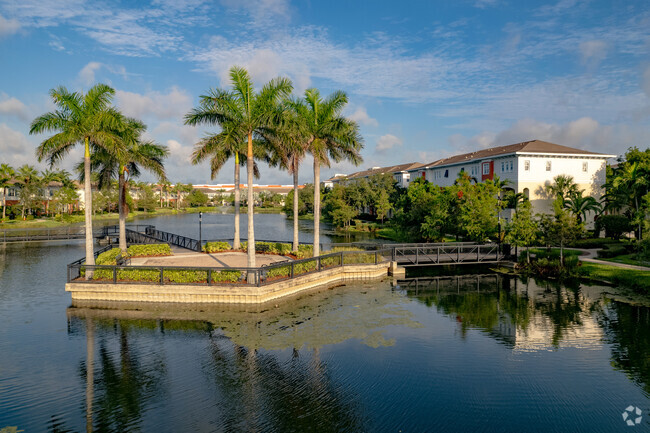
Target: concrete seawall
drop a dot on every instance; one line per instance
(229, 294)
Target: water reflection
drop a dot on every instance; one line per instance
(524, 314)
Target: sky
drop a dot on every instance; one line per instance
(425, 79)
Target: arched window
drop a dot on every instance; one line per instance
(527, 193)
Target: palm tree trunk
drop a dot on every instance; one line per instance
(121, 209)
(251, 205)
(316, 207)
(236, 241)
(161, 197)
(88, 209)
(4, 203)
(295, 205)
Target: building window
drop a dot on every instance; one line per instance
(446, 173)
(512, 166)
(12, 192)
(486, 168)
(526, 193)
(585, 166)
(548, 165)
(527, 165)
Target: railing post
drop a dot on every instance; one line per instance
(319, 264)
(258, 276)
(438, 254)
(392, 255)
(292, 271)
(341, 262)
(478, 250)
(209, 277)
(161, 275)
(114, 274)
(458, 254)
(376, 257)
(417, 255)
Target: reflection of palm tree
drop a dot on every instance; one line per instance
(626, 328)
(122, 387)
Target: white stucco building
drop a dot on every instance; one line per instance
(528, 166)
(400, 173)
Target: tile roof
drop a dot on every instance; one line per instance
(384, 170)
(533, 146)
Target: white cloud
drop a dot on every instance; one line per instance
(361, 116)
(11, 106)
(262, 12)
(15, 148)
(87, 73)
(387, 142)
(593, 52)
(484, 4)
(583, 133)
(8, 26)
(171, 105)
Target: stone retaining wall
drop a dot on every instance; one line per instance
(231, 294)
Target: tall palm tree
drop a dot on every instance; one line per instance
(327, 136)
(579, 205)
(287, 149)
(88, 120)
(7, 173)
(220, 148)
(139, 154)
(248, 114)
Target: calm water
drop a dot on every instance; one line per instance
(473, 353)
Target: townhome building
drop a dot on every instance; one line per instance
(528, 167)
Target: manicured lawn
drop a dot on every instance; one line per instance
(639, 281)
(629, 259)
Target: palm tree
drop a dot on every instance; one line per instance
(245, 113)
(79, 119)
(7, 173)
(579, 205)
(287, 150)
(633, 180)
(562, 187)
(220, 148)
(328, 136)
(513, 199)
(139, 154)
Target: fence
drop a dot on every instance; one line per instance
(169, 275)
(446, 254)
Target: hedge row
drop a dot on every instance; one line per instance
(215, 247)
(169, 275)
(149, 250)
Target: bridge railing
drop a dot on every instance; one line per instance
(446, 254)
(42, 234)
(175, 275)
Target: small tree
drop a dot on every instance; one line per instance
(523, 229)
(147, 201)
(197, 198)
(382, 205)
(562, 230)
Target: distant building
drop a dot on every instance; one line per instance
(400, 173)
(528, 166)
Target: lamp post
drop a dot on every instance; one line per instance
(200, 234)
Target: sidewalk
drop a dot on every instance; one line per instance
(589, 255)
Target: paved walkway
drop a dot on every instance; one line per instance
(589, 255)
(194, 259)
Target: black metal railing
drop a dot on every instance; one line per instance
(446, 254)
(174, 239)
(174, 275)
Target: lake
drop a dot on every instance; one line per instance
(475, 352)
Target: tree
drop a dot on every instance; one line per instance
(246, 113)
(147, 200)
(562, 187)
(7, 174)
(579, 205)
(229, 143)
(522, 231)
(328, 136)
(614, 225)
(560, 230)
(79, 119)
(382, 204)
(633, 180)
(31, 186)
(478, 207)
(65, 198)
(197, 198)
(138, 154)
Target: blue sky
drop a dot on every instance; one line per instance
(426, 79)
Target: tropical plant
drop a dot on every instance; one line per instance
(523, 229)
(80, 119)
(327, 136)
(138, 154)
(580, 205)
(7, 174)
(562, 187)
(633, 179)
(246, 113)
(31, 186)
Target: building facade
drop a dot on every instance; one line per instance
(528, 167)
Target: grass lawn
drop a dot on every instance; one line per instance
(638, 281)
(628, 259)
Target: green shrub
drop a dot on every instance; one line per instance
(108, 257)
(270, 247)
(305, 251)
(215, 247)
(185, 276)
(278, 272)
(136, 274)
(226, 276)
(612, 251)
(149, 250)
(614, 225)
(594, 243)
